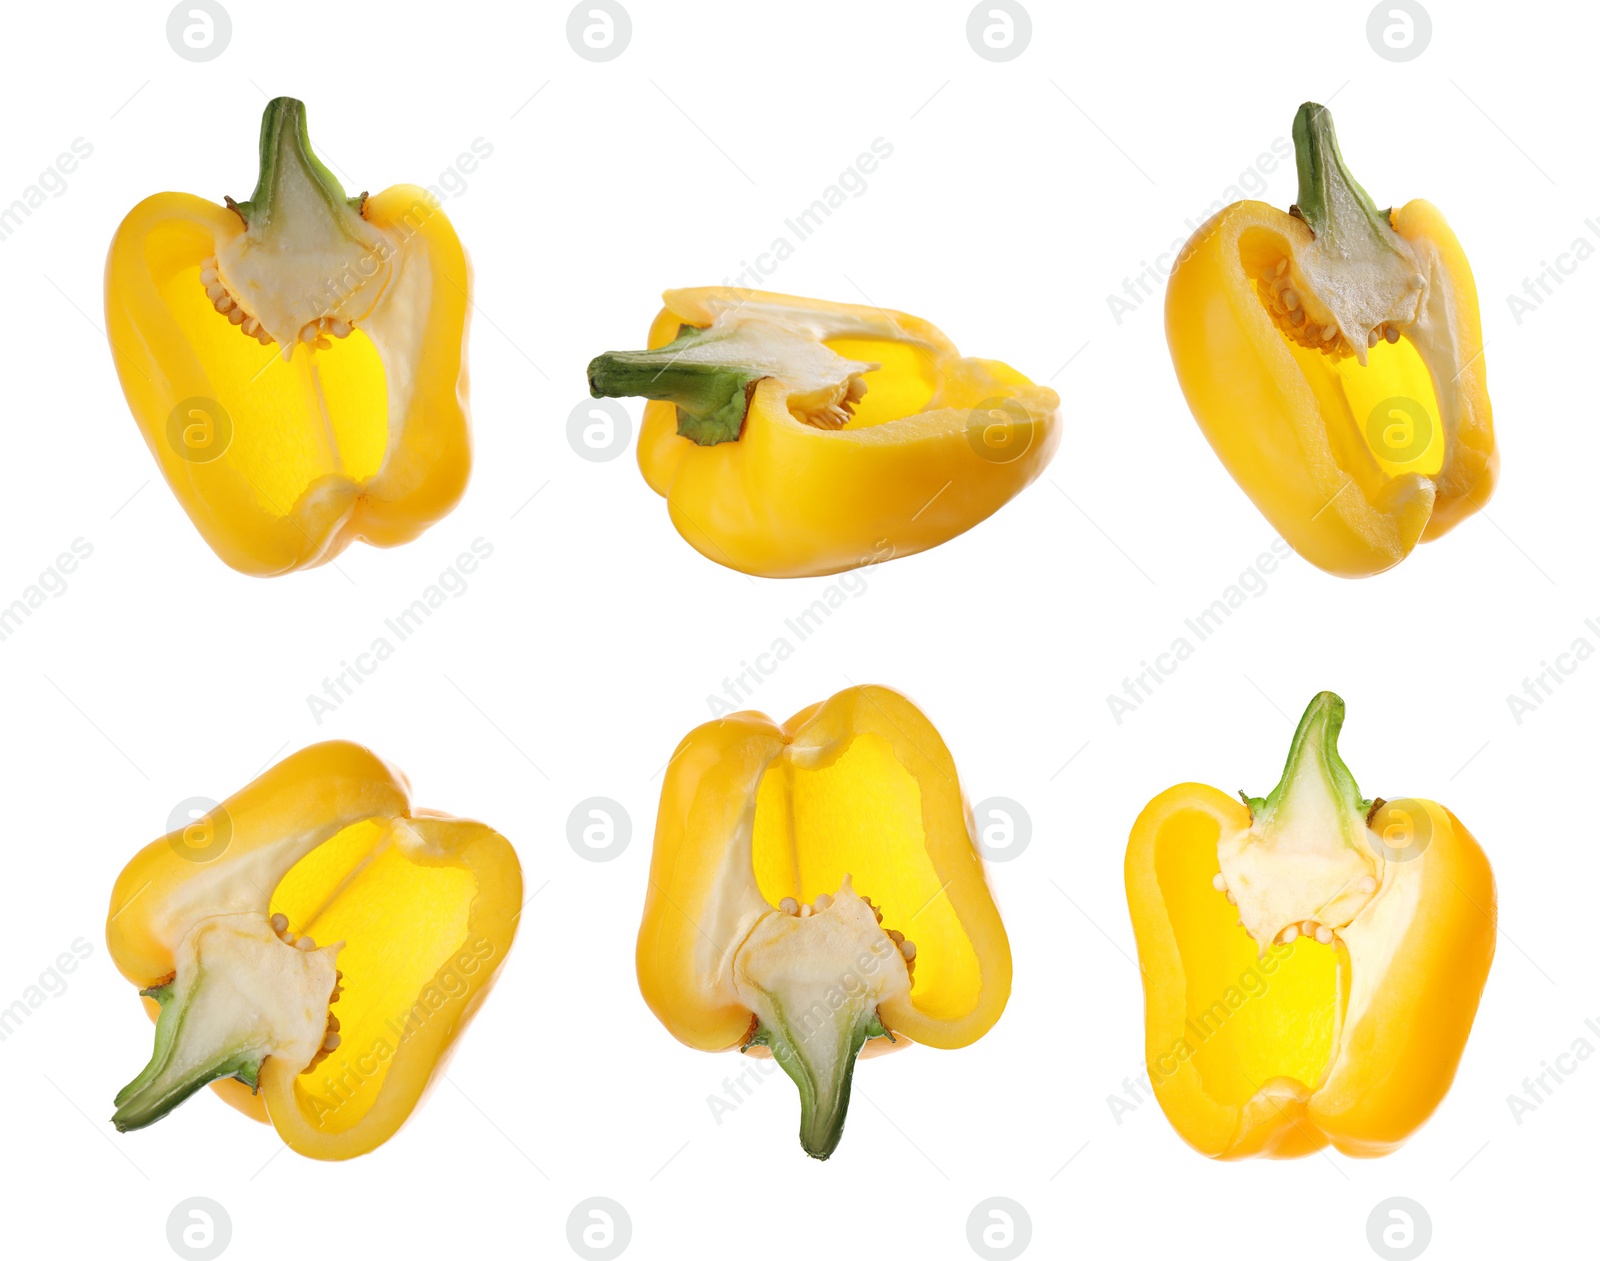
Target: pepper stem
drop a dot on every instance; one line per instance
(1304, 861)
(819, 1055)
(238, 994)
(1331, 203)
(712, 394)
(709, 373)
(814, 983)
(1315, 777)
(176, 1069)
(290, 171)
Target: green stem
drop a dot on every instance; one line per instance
(821, 1061)
(1331, 203)
(1314, 775)
(289, 169)
(712, 395)
(175, 1070)
(1305, 855)
(238, 994)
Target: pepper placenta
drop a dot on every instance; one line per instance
(219, 925)
(296, 362)
(1312, 960)
(1333, 357)
(794, 437)
(815, 888)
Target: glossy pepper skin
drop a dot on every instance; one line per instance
(417, 909)
(359, 429)
(1336, 1012)
(757, 930)
(793, 437)
(1333, 357)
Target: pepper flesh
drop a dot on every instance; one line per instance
(417, 909)
(755, 932)
(1335, 1010)
(296, 362)
(1333, 357)
(793, 437)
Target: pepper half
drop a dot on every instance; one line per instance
(296, 362)
(757, 932)
(1312, 961)
(1333, 356)
(217, 923)
(793, 437)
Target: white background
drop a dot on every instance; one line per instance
(1018, 197)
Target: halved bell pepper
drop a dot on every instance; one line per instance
(218, 924)
(296, 362)
(1334, 359)
(1312, 961)
(794, 437)
(759, 932)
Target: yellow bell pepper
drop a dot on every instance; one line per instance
(1312, 961)
(757, 930)
(793, 437)
(296, 362)
(218, 924)
(1334, 359)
